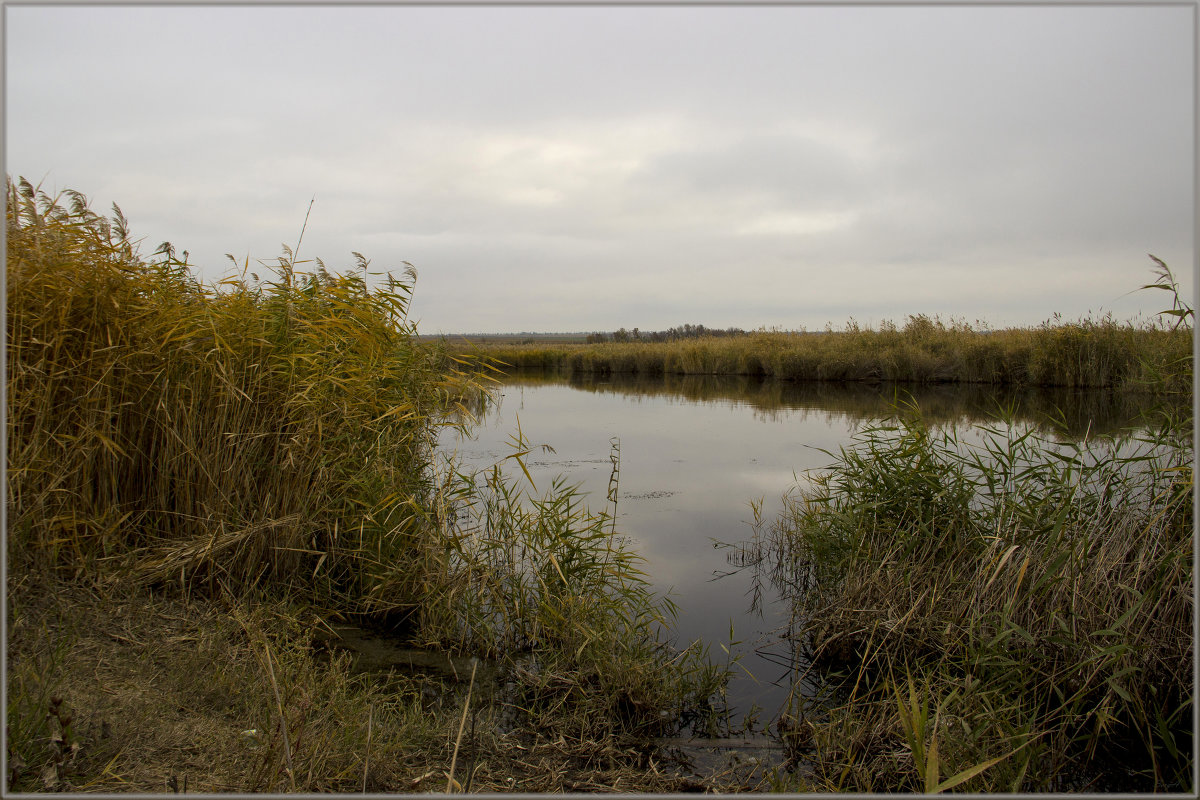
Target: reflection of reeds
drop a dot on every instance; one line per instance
(1088, 353)
(1071, 412)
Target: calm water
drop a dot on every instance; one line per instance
(695, 452)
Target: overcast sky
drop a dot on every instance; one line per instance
(589, 168)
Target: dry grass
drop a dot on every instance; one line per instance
(256, 432)
(200, 476)
(1014, 616)
(1087, 353)
(162, 693)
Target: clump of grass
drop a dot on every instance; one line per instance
(253, 432)
(1007, 614)
(1053, 594)
(549, 585)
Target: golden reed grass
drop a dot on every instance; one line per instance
(1088, 353)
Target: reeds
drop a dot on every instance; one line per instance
(256, 431)
(1012, 613)
(260, 442)
(539, 579)
(1088, 353)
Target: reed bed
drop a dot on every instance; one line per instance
(1088, 353)
(254, 432)
(1006, 614)
(269, 443)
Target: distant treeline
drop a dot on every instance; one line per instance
(686, 331)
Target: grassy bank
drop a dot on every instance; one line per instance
(204, 481)
(200, 477)
(1089, 353)
(1008, 614)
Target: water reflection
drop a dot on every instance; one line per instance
(702, 457)
(1084, 411)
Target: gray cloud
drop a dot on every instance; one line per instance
(596, 167)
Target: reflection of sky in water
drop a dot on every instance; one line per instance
(690, 467)
(688, 473)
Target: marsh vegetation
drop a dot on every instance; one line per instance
(1013, 614)
(206, 483)
(261, 451)
(1008, 614)
(1087, 353)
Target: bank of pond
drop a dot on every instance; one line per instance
(973, 539)
(208, 483)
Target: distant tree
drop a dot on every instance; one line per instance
(685, 331)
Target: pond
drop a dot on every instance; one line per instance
(697, 453)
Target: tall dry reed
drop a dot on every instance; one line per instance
(1088, 353)
(254, 432)
(275, 439)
